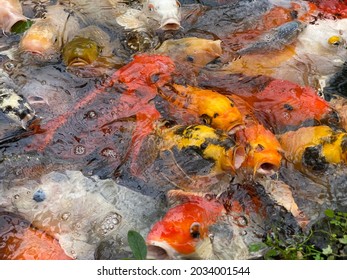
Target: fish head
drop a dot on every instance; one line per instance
(220, 112)
(166, 12)
(326, 38)
(196, 51)
(263, 151)
(80, 52)
(41, 40)
(183, 232)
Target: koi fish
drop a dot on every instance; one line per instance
(193, 158)
(37, 245)
(318, 52)
(10, 13)
(183, 233)
(263, 151)
(22, 242)
(314, 148)
(166, 12)
(15, 107)
(90, 54)
(213, 108)
(295, 107)
(194, 50)
(212, 144)
(46, 37)
(276, 39)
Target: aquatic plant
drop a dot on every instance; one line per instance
(327, 239)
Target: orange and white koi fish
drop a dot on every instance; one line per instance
(183, 232)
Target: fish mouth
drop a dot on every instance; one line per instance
(235, 127)
(78, 62)
(170, 24)
(266, 168)
(160, 250)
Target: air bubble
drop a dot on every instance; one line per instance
(79, 150)
(241, 221)
(91, 114)
(108, 152)
(9, 66)
(65, 216)
(16, 196)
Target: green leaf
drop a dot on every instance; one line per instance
(327, 251)
(271, 253)
(257, 246)
(329, 213)
(343, 240)
(137, 245)
(21, 26)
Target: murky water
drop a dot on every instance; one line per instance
(104, 147)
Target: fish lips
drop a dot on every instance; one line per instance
(171, 23)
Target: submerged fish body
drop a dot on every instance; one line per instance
(194, 50)
(193, 158)
(211, 144)
(212, 107)
(166, 12)
(312, 56)
(10, 13)
(276, 39)
(15, 107)
(78, 211)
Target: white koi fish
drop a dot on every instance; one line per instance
(166, 12)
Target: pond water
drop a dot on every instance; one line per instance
(207, 136)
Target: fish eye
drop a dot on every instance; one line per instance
(195, 230)
(151, 7)
(206, 119)
(190, 58)
(335, 40)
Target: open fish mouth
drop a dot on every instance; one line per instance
(235, 127)
(160, 251)
(170, 24)
(266, 168)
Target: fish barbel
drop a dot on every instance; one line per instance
(166, 12)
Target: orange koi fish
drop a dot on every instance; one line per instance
(262, 150)
(283, 106)
(183, 231)
(33, 244)
(213, 108)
